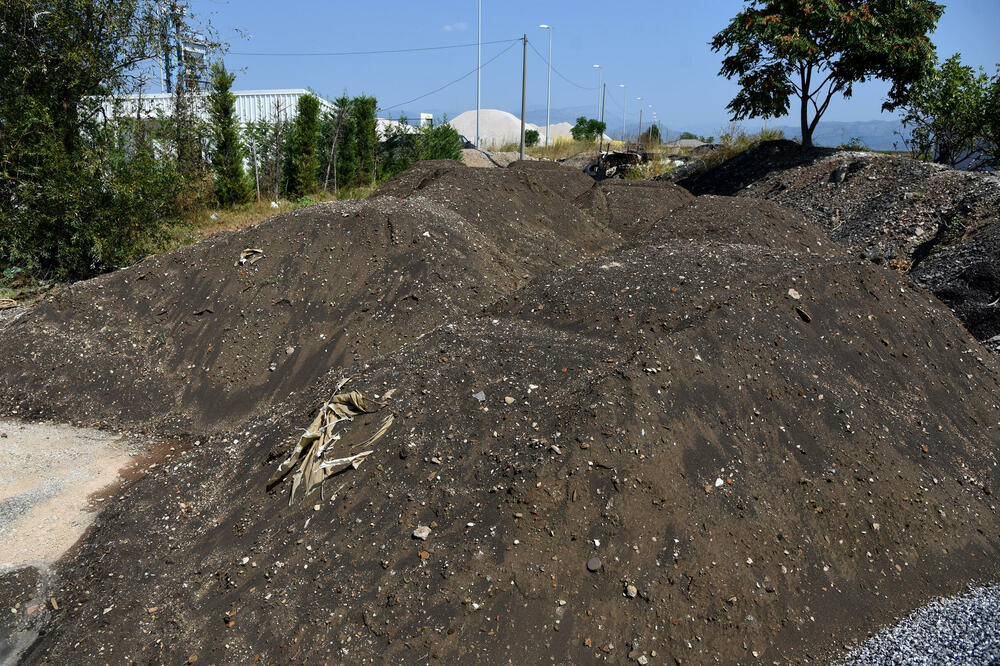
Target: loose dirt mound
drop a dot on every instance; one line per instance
(889, 210)
(189, 341)
(630, 207)
(723, 440)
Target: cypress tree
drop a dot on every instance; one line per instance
(305, 135)
(367, 138)
(232, 185)
(346, 165)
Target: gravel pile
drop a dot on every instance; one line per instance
(964, 631)
(938, 224)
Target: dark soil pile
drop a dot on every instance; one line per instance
(723, 440)
(966, 276)
(889, 210)
(189, 341)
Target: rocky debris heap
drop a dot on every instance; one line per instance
(939, 224)
(628, 425)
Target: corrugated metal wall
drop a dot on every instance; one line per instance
(251, 105)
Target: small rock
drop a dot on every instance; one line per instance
(509, 400)
(631, 591)
(642, 660)
(481, 396)
(594, 564)
(422, 532)
(719, 482)
(793, 294)
(289, 350)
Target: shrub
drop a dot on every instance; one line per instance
(531, 137)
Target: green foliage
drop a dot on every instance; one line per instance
(84, 189)
(363, 108)
(266, 142)
(651, 137)
(816, 50)
(304, 137)
(403, 145)
(346, 166)
(687, 135)
(531, 137)
(440, 142)
(231, 183)
(950, 114)
(587, 129)
(855, 143)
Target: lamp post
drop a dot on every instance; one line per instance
(639, 136)
(479, 69)
(548, 86)
(598, 68)
(624, 109)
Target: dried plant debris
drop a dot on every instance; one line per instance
(311, 455)
(250, 256)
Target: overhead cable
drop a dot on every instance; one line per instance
(545, 60)
(451, 83)
(354, 53)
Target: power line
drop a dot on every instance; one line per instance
(546, 61)
(451, 83)
(353, 53)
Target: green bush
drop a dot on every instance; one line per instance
(531, 137)
(83, 190)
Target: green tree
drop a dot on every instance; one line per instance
(820, 48)
(84, 186)
(440, 142)
(587, 129)
(531, 137)
(304, 165)
(688, 135)
(232, 186)
(345, 167)
(367, 138)
(948, 114)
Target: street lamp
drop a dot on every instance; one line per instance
(598, 68)
(639, 99)
(548, 86)
(624, 108)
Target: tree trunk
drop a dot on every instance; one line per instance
(805, 76)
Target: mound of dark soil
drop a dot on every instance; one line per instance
(886, 209)
(966, 276)
(189, 341)
(725, 440)
(630, 207)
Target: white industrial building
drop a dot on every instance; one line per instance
(251, 106)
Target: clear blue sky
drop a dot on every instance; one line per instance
(658, 48)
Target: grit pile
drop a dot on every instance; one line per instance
(628, 425)
(940, 225)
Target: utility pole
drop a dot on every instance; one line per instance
(524, 87)
(604, 96)
(624, 109)
(548, 87)
(479, 70)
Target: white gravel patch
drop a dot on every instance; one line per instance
(964, 631)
